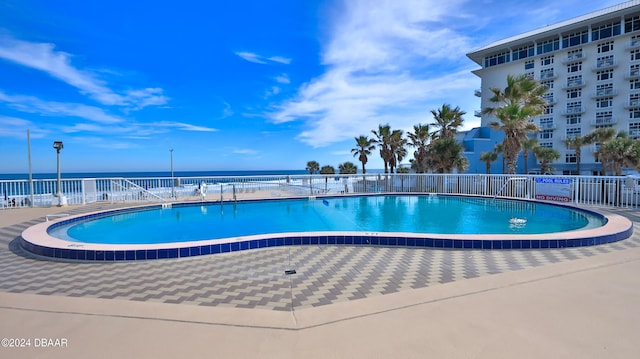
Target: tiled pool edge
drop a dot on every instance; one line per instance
(66, 250)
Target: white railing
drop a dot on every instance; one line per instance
(591, 190)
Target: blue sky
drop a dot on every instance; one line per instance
(237, 85)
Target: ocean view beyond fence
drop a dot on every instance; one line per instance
(589, 190)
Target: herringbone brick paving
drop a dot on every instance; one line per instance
(256, 279)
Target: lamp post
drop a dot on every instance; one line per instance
(173, 193)
(62, 201)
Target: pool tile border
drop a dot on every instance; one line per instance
(37, 241)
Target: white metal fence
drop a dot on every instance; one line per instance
(591, 190)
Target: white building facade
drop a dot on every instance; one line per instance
(591, 65)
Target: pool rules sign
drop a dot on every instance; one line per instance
(553, 189)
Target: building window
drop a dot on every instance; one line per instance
(634, 100)
(574, 55)
(632, 24)
(570, 157)
(523, 52)
(634, 84)
(604, 102)
(634, 70)
(605, 31)
(529, 64)
(635, 55)
(574, 119)
(572, 132)
(546, 144)
(605, 47)
(605, 75)
(577, 93)
(635, 41)
(634, 114)
(548, 84)
(548, 46)
(574, 67)
(546, 135)
(604, 119)
(497, 59)
(529, 75)
(546, 61)
(605, 61)
(604, 89)
(546, 74)
(634, 130)
(547, 110)
(575, 39)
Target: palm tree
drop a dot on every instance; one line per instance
(576, 143)
(419, 139)
(518, 103)
(546, 155)
(528, 144)
(498, 150)
(446, 155)
(600, 136)
(347, 168)
(488, 158)
(620, 152)
(312, 167)
(363, 149)
(397, 147)
(447, 120)
(383, 139)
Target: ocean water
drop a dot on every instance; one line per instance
(24, 176)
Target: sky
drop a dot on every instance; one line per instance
(237, 85)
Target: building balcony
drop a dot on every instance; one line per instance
(633, 74)
(573, 111)
(549, 99)
(573, 58)
(574, 84)
(477, 113)
(634, 133)
(477, 93)
(606, 64)
(548, 76)
(604, 93)
(547, 126)
(633, 44)
(569, 137)
(604, 121)
(632, 104)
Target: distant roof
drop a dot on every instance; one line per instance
(550, 30)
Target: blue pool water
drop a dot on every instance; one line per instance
(415, 214)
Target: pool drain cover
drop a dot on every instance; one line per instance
(290, 271)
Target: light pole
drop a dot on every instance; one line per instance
(62, 201)
(173, 193)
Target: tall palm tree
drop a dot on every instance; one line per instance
(398, 150)
(327, 170)
(347, 168)
(419, 139)
(600, 136)
(528, 144)
(447, 121)
(488, 158)
(546, 155)
(517, 104)
(312, 167)
(383, 140)
(576, 143)
(364, 146)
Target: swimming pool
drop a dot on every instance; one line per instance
(181, 230)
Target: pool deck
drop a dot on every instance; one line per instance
(343, 302)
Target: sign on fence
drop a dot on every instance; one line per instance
(553, 189)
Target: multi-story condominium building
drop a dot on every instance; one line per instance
(591, 66)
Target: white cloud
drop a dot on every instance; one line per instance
(384, 63)
(57, 64)
(14, 127)
(283, 79)
(258, 59)
(32, 104)
(182, 126)
(245, 151)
